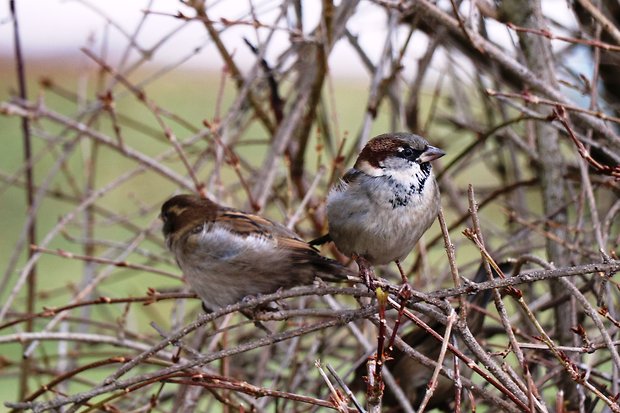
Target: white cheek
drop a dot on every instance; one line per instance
(407, 176)
(370, 170)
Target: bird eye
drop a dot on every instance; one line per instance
(197, 229)
(409, 153)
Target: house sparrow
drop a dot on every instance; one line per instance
(386, 201)
(226, 254)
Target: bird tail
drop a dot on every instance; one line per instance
(324, 239)
(331, 270)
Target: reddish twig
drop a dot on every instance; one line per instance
(559, 113)
(552, 36)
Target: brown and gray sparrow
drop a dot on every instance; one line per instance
(226, 254)
(386, 201)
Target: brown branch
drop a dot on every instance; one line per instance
(218, 382)
(99, 260)
(560, 114)
(32, 227)
(552, 36)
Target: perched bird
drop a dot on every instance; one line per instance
(386, 201)
(226, 254)
(414, 377)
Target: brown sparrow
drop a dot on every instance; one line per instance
(226, 254)
(386, 201)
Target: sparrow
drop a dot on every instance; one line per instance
(385, 203)
(226, 254)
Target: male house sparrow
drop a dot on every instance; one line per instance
(386, 201)
(226, 254)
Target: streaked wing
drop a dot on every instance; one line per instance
(301, 254)
(296, 244)
(244, 224)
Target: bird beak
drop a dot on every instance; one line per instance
(430, 154)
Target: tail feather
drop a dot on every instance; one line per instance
(331, 270)
(321, 240)
(328, 269)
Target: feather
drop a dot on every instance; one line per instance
(227, 254)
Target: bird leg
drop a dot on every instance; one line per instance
(405, 290)
(404, 294)
(402, 273)
(367, 273)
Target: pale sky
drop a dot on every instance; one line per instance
(62, 27)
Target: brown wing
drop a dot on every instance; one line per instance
(296, 244)
(245, 224)
(300, 252)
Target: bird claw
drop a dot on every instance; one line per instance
(367, 273)
(404, 293)
(249, 298)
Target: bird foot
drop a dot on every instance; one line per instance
(367, 273)
(404, 293)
